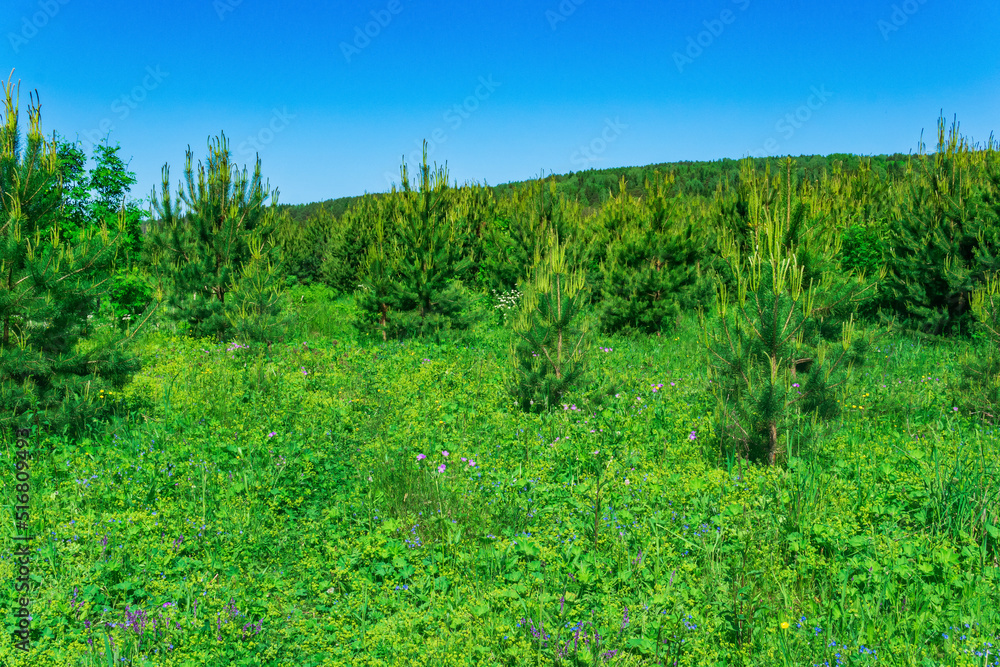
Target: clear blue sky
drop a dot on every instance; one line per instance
(502, 91)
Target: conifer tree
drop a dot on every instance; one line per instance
(324, 248)
(653, 260)
(549, 352)
(49, 287)
(941, 241)
(426, 297)
(202, 250)
(350, 239)
(300, 243)
(476, 211)
(982, 365)
(524, 223)
(376, 289)
(255, 310)
(786, 341)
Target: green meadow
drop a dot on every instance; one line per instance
(337, 499)
(725, 414)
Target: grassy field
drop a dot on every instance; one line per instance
(344, 502)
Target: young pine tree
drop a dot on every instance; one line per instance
(782, 346)
(426, 295)
(203, 249)
(982, 366)
(476, 212)
(940, 241)
(376, 288)
(255, 310)
(523, 223)
(322, 249)
(652, 262)
(344, 255)
(48, 286)
(551, 342)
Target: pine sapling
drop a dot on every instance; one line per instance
(551, 331)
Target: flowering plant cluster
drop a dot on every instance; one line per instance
(506, 302)
(445, 454)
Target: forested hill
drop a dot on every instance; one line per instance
(591, 187)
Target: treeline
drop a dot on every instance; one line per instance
(778, 257)
(650, 242)
(594, 186)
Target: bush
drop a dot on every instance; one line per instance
(131, 292)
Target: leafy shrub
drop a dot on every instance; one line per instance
(131, 292)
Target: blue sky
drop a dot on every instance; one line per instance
(333, 95)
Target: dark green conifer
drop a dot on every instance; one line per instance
(523, 224)
(941, 241)
(786, 341)
(426, 296)
(222, 235)
(653, 261)
(375, 293)
(50, 285)
(981, 384)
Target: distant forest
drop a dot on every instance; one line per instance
(592, 187)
